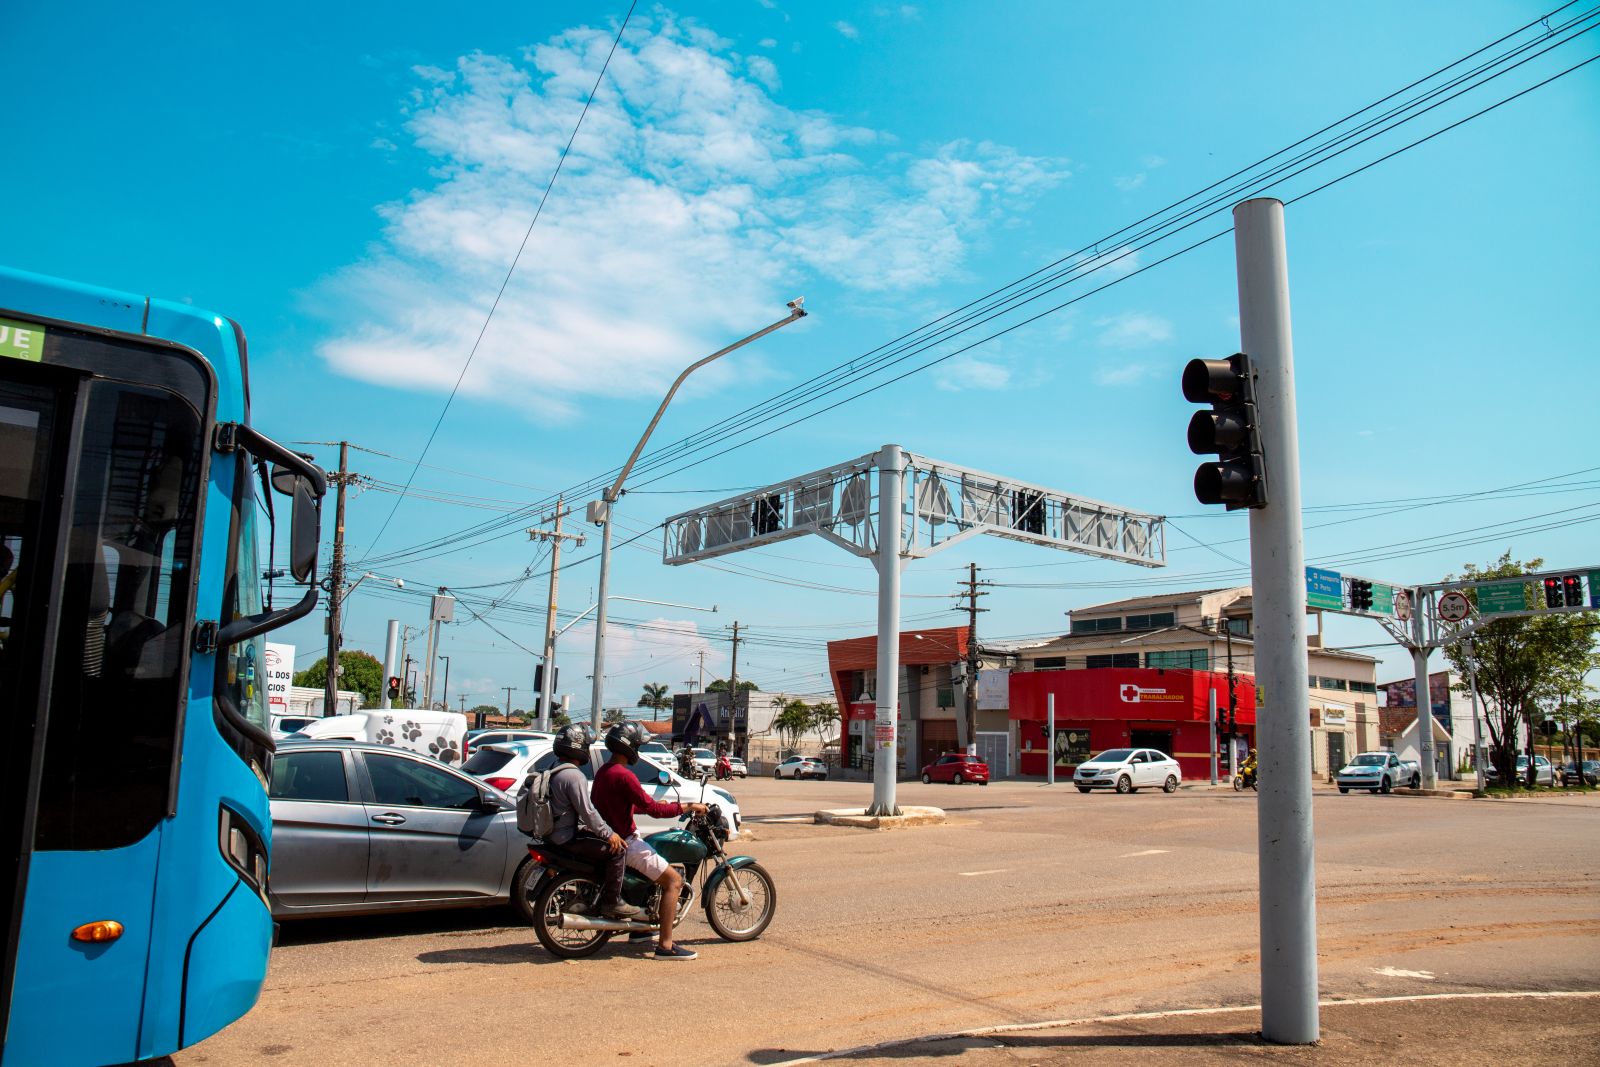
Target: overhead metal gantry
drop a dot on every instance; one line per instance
(933, 505)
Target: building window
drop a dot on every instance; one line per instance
(1239, 626)
(1193, 659)
(1118, 659)
(1050, 663)
(1363, 687)
(1090, 626)
(1155, 621)
(1332, 683)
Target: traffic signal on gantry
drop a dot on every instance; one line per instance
(1360, 594)
(1565, 591)
(1238, 477)
(394, 688)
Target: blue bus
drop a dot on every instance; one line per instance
(133, 800)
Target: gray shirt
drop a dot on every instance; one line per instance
(571, 806)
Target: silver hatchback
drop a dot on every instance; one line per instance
(366, 828)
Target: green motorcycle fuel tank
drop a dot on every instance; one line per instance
(676, 846)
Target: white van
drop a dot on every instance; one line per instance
(440, 734)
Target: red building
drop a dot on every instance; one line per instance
(1164, 709)
(926, 707)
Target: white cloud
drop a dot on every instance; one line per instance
(691, 206)
(965, 372)
(1153, 162)
(384, 144)
(1129, 184)
(1133, 330)
(847, 30)
(768, 42)
(1123, 374)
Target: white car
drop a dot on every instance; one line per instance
(662, 783)
(505, 764)
(1128, 770)
(801, 767)
(1378, 772)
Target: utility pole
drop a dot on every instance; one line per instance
(330, 693)
(1233, 703)
(1285, 845)
(733, 686)
(969, 731)
(547, 681)
(444, 694)
(509, 690)
(702, 686)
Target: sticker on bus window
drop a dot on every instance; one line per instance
(21, 340)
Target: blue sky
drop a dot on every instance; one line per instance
(350, 185)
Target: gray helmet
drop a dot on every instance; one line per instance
(572, 742)
(625, 738)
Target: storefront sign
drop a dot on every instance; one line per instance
(994, 689)
(1333, 716)
(1133, 694)
(280, 675)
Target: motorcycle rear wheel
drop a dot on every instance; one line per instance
(733, 921)
(565, 893)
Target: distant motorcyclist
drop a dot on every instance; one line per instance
(1247, 770)
(618, 795)
(581, 829)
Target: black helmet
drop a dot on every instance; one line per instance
(624, 739)
(572, 742)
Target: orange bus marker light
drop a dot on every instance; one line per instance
(102, 930)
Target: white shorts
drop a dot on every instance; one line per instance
(644, 859)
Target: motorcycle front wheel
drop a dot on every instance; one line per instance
(1238, 783)
(734, 921)
(570, 893)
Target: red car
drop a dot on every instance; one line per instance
(955, 768)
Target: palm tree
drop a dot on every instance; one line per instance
(655, 698)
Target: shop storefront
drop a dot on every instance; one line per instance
(1124, 707)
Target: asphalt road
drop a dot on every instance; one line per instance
(1030, 904)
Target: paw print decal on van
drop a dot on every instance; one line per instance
(385, 737)
(444, 750)
(410, 730)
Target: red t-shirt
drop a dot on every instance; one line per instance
(617, 794)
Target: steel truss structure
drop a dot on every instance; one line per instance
(942, 504)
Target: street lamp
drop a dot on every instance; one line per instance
(599, 511)
(444, 698)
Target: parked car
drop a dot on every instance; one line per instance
(1128, 770)
(360, 827)
(1588, 775)
(801, 767)
(1544, 772)
(505, 765)
(1379, 772)
(495, 736)
(955, 768)
(440, 734)
(283, 724)
(736, 765)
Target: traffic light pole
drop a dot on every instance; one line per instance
(1420, 650)
(1287, 869)
(390, 647)
(886, 757)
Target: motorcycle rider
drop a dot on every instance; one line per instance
(1247, 769)
(618, 795)
(579, 828)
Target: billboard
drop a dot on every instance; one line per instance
(696, 716)
(1403, 694)
(280, 676)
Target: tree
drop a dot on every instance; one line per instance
(721, 686)
(482, 709)
(613, 715)
(825, 720)
(655, 697)
(362, 673)
(1521, 665)
(792, 722)
(559, 720)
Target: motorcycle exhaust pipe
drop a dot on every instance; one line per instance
(616, 926)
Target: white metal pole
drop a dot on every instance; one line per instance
(596, 698)
(1211, 713)
(433, 636)
(1289, 1013)
(391, 647)
(1419, 663)
(1050, 740)
(1477, 722)
(886, 760)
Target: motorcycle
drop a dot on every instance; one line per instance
(724, 767)
(1246, 778)
(737, 893)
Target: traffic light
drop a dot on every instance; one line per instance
(1552, 592)
(1360, 594)
(1028, 511)
(1572, 590)
(538, 678)
(394, 688)
(768, 516)
(1239, 477)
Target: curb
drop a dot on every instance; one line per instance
(1446, 794)
(909, 816)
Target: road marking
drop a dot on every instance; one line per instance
(1053, 1024)
(974, 874)
(1396, 972)
(1146, 852)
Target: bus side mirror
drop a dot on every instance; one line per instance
(305, 521)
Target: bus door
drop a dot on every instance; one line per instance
(99, 491)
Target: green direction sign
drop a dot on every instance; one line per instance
(1324, 589)
(1382, 599)
(1502, 597)
(21, 340)
(1594, 589)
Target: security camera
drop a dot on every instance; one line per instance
(797, 304)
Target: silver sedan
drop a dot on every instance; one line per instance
(367, 828)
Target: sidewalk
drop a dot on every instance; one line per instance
(1444, 1028)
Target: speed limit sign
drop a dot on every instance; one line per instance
(1453, 607)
